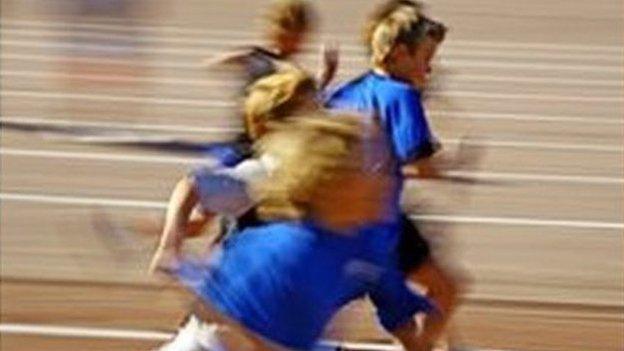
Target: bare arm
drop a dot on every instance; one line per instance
(427, 168)
(181, 203)
(328, 66)
(152, 226)
(236, 57)
(438, 165)
(443, 288)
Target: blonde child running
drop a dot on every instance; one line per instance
(402, 43)
(275, 286)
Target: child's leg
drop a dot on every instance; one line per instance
(443, 290)
(423, 269)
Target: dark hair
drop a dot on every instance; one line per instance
(290, 16)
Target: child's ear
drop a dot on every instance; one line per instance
(396, 53)
(401, 50)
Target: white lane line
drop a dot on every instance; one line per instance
(480, 115)
(535, 97)
(220, 130)
(83, 201)
(118, 98)
(433, 113)
(453, 78)
(82, 332)
(68, 123)
(441, 218)
(493, 176)
(546, 178)
(207, 52)
(536, 145)
(101, 333)
(359, 50)
(212, 103)
(613, 49)
(193, 65)
(196, 65)
(95, 156)
(531, 66)
(122, 78)
(511, 221)
(450, 114)
(168, 29)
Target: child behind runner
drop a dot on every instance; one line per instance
(402, 44)
(289, 22)
(275, 287)
(289, 92)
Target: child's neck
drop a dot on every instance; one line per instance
(333, 222)
(383, 71)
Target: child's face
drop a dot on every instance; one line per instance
(289, 43)
(414, 65)
(421, 62)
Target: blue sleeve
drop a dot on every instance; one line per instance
(408, 128)
(395, 302)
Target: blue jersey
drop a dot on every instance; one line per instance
(285, 281)
(396, 105)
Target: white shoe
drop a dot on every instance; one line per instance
(195, 335)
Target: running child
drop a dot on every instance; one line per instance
(289, 23)
(274, 287)
(402, 44)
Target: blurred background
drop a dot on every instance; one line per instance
(83, 82)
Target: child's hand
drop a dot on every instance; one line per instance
(165, 260)
(331, 55)
(329, 59)
(468, 155)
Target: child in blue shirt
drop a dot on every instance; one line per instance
(402, 43)
(276, 286)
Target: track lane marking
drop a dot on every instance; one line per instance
(614, 49)
(132, 39)
(475, 175)
(208, 52)
(125, 334)
(121, 138)
(215, 103)
(616, 227)
(232, 83)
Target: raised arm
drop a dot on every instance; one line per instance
(235, 57)
(328, 65)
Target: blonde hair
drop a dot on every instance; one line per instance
(275, 97)
(399, 22)
(288, 16)
(380, 13)
(309, 152)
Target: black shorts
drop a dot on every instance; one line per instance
(413, 248)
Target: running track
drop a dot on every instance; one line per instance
(538, 84)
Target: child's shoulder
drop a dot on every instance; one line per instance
(396, 86)
(393, 91)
